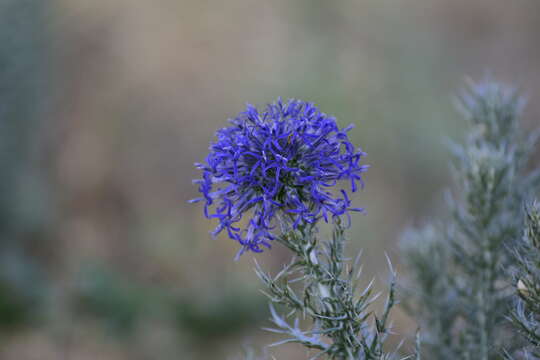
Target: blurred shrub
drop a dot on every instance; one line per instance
(24, 211)
(113, 300)
(460, 287)
(121, 304)
(15, 307)
(223, 316)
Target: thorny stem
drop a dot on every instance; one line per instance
(337, 311)
(325, 293)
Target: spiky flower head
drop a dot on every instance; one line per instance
(277, 166)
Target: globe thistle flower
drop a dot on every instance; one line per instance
(277, 166)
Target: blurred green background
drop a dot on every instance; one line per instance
(106, 104)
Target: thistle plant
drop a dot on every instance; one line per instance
(459, 286)
(277, 166)
(526, 312)
(273, 175)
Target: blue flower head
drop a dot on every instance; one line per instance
(277, 166)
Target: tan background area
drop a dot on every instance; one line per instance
(111, 102)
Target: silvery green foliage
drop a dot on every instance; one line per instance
(328, 314)
(459, 289)
(526, 313)
(429, 285)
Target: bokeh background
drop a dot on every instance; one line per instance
(106, 104)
